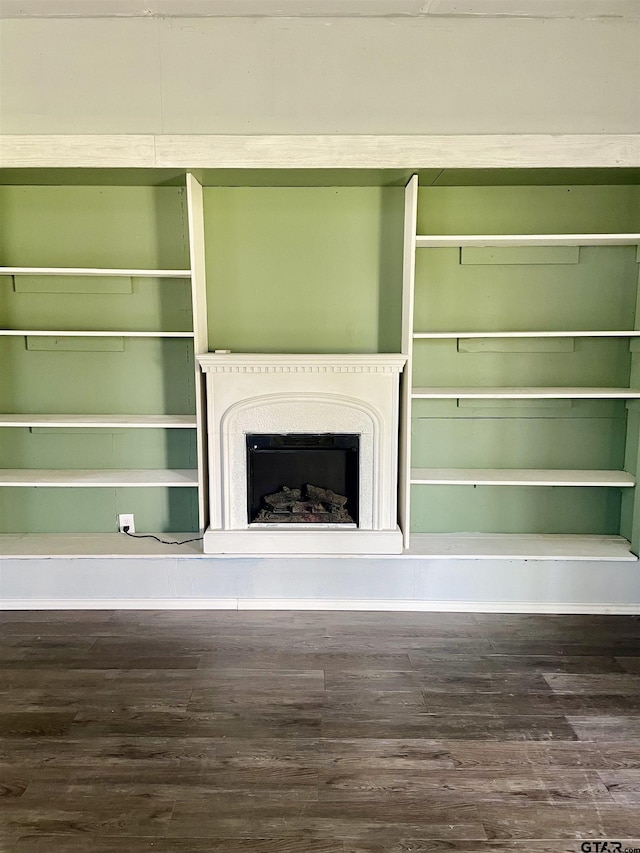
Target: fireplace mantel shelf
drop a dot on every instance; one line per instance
(302, 363)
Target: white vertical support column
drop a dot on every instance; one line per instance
(408, 279)
(195, 213)
(630, 524)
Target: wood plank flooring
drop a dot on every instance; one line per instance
(241, 732)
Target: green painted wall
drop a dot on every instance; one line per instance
(516, 290)
(95, 226)
(304, 269)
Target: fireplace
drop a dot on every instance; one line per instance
(293, 440)
(303, 478)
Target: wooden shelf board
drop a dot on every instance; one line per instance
(94, 271)
(424, 241)
(102, 421)
(519, 477)
(532, 334)
(549, 393)
(25, 545)
(511, 546)
(56, 333)
(96, 478)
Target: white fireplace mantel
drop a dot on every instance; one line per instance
(283, 393)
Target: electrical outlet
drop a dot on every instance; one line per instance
(126, 519)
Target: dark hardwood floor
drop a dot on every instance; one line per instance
(241, 732)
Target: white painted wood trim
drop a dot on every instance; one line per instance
(120, 604)
(77, 150)
(99, 546)
(57, 333)
(408, 286)
(600, 333)
(497, 240)
(195, 218)
(337, 604)
(563, 393)
(94, 271)
(409, 261)
(322, 151)
(96, 478)
(305, 9)
(400, 152)
(516, 546)
(101, 421)
(519, 477)
(195, 215)
(432, 606)
(302, 362)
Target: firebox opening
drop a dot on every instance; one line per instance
(303, 478)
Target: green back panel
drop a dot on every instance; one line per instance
(314, 269)
(597, 293)
(93, 226)
(506, 509)
(46, 510)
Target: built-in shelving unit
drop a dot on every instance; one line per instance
(495, 347)
(172, 437)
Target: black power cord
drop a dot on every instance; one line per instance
(125, 530)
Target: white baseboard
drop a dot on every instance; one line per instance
(322, 583)
(406, 606)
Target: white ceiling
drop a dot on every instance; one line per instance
(319, 8)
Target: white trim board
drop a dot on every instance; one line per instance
(367, 605)
(628, 9)
(508, 586)
(486, 151)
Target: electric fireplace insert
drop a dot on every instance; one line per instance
(303, 478)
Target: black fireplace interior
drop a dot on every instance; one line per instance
(277, 463)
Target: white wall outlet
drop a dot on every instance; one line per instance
(126, 519)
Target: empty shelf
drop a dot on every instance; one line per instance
(94, 271)
(102, 421)
(559, 393)
(92, 478)
(519, 477)
(514, 546)
(453, 240)
(57, 333)
(26, 545)
(532, 334)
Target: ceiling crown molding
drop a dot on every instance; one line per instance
(582, 9)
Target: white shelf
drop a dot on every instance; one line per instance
(102, 421)
(98, 545)
(429, 241)
(559, 393)
(513, 546)
(519, 477)
(56, 333)
(635, 333)
(94, 271)
(91, 478)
